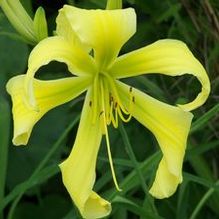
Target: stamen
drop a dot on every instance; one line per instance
(111, 160)
(116, 119)
(95, 98)
(107, 140)
(101, 113)
(113, 106)
(113, 87)
(115, 93)
(130, 89)
(106, 100)
(110, 109)
(112, 118)
(131, 101)
(122, 116)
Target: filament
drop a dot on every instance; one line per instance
(107, 139)
(95, 98)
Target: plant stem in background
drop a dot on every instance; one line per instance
(42, 164)
(114, 4)
(4, 142)
(203, 201)
(136, 166)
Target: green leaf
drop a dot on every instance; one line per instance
(131, 180)
(5, 120)
(133, 207)
(21, 188)
(203, 121)
(203, 201)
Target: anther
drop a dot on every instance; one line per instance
(101, 113)
(116, 104)
(130, 89)
(133, 99)
(90, 103)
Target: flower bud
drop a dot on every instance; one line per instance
(40, 24)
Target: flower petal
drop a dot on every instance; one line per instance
(169, 57)
(170, 125)
(78, 171)
(59, 49)
(49, 94)
(106, 31)
(65, 30)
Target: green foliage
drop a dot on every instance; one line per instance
(33, 186)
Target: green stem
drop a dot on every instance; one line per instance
(203, 120)
(203, 200)
(42, 164)
(136, 166)
(4, 142)
(114, 4)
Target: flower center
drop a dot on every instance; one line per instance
(106, 101)
(106, 104)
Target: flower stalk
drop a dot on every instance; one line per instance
(114, 4)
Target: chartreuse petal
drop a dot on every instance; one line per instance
(65, 30)
(170, 125)
(169, 57)
(78, 170)
(49, 94)
(59, 49)
(105, 31)
(63, 27)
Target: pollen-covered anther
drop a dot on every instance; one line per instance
(105, 87)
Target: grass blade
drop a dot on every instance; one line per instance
(4, 142)
(136, 165)
(202, 121)
(39, 168)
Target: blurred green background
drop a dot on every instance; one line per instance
(33, 188)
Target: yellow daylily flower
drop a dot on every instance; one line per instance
(89, 42)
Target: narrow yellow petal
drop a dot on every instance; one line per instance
(106, 31)
(78, 170)
(169, 57)
(165, 183)
(59, 49)
(170, 125)
(65, 30)
(49, 94)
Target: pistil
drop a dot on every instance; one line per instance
(103, 116)
(106, 104)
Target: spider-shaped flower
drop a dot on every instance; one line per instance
(89, 42)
